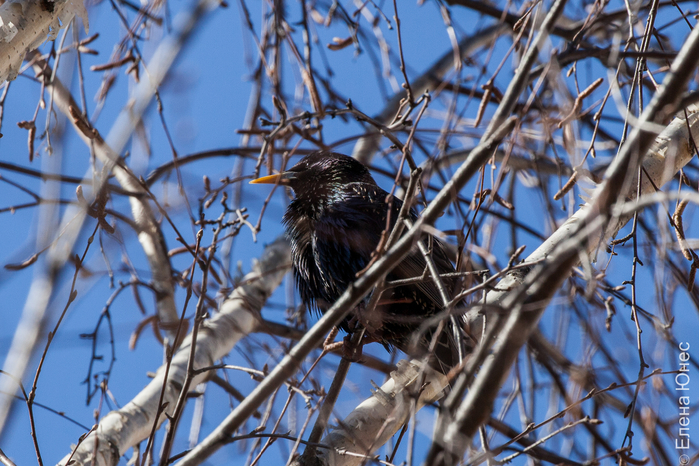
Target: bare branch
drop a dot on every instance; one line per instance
(238, 316)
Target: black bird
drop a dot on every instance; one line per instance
(334, 225)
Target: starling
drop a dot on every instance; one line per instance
(334, 224)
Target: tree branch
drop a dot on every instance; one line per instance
(238, 316)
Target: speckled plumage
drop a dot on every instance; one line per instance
(334, 224)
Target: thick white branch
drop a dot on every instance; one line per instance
(26, 24)
(571, 243)
(238, 316)
(671, 150)
(371, 424)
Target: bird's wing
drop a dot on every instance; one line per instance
(344, 240)
(414, 265)
(352, 230)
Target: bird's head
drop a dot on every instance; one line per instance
(320, 175)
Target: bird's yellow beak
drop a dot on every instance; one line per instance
(280, 178)
(271, 179)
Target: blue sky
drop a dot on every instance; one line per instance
(204, 102)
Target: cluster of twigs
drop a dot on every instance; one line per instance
(497, 142)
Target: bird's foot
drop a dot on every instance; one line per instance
(331, 347)
(351, 351)
(329, 344)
